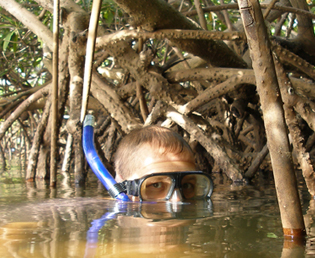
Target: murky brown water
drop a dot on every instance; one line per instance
(240, 221)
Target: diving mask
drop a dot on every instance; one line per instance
(193, 185)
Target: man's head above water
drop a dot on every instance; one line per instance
(152, 149)
(145, 153)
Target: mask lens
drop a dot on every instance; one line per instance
(195, 186)
(156, 188)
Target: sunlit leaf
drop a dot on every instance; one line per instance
(37, 62)
(7, 40)
(51, 24)
(272, 235)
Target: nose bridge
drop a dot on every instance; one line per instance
(176, 196)
(177, 178)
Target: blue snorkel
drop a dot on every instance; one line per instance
(115, 190)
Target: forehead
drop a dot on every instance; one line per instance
(155, 162)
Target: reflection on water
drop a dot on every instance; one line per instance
(239, 221)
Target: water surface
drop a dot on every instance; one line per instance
(238, 221)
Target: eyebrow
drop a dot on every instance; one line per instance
(158, 177)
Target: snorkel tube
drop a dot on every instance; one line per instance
(114, 189)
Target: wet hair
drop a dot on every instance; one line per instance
(133, 147)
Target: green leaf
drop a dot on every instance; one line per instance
(272, 235)
(8, 26)
(7, 40)
(10, 20)
(37, 62)
(15, 38)
(110, 17)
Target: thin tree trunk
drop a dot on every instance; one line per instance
(32, 161)
(256, 162)
(76, 25)
(2, 157)
(9, 145)
(27, 141)
(66, 162)
(289, 98)
(276, 130)
(54, 97)
(202, 20)
(20, 150)
(42, 168)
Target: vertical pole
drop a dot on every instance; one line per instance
(90, 46)
(276, 129)
(54, 97)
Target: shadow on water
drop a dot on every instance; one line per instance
(239, 221)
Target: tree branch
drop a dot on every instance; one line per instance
(24, 105)
(29, 20)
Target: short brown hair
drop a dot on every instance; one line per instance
(129, 154)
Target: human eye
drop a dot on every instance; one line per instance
(157, 185)
(188, 186)
(195, 186)
(155, 188)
